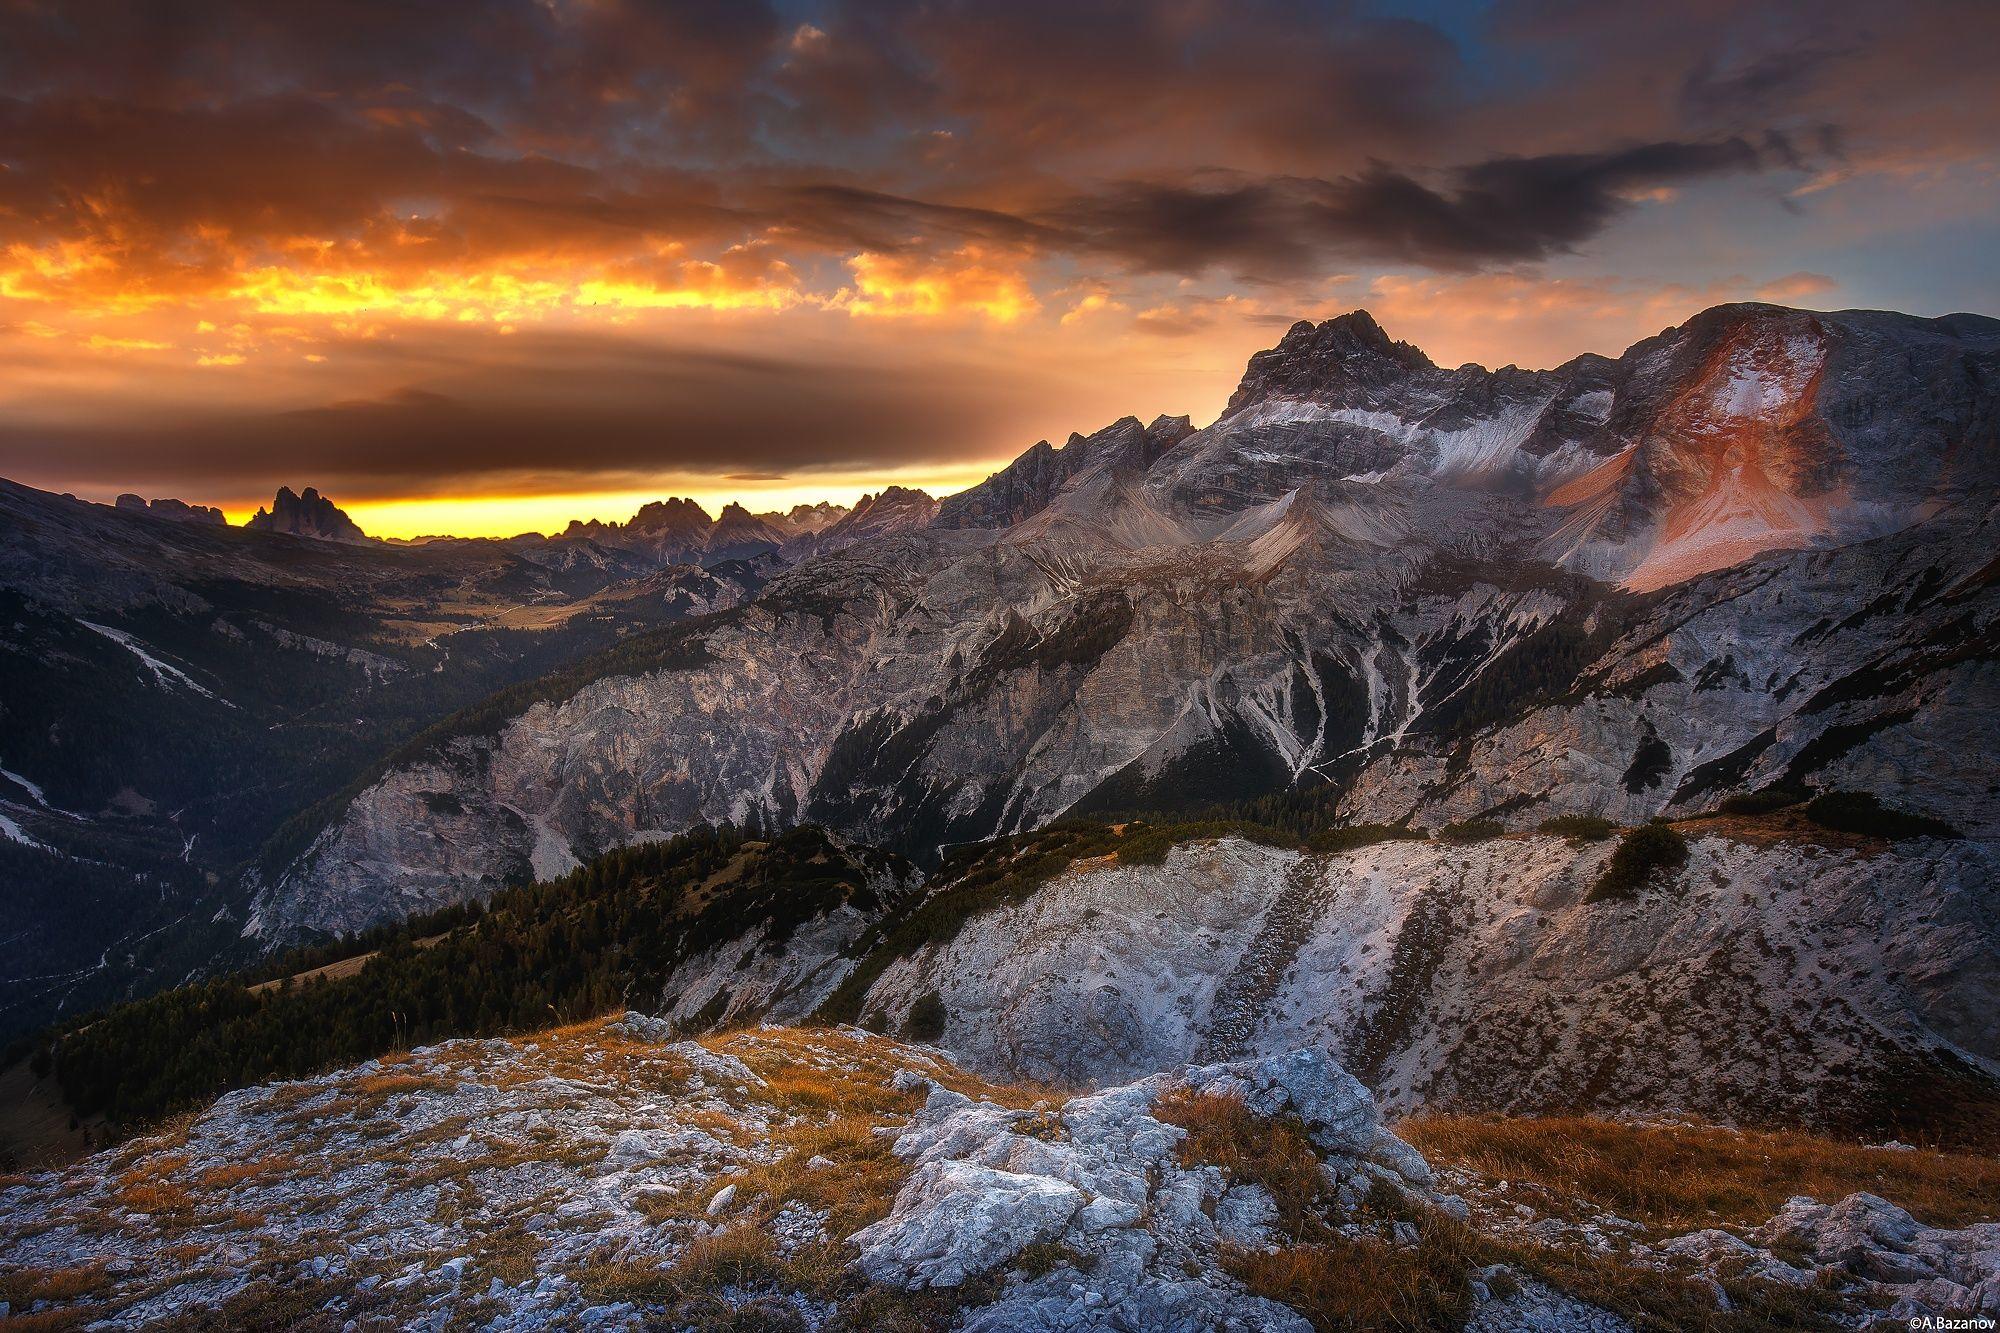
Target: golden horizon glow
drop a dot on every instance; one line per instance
(513, 515)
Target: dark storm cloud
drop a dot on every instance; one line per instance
(845, 218)
(1506, 210)
(606, 69)
(1260, 138)
(576, 404)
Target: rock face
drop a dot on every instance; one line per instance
(1101, 1179)
(307, 515)
(1771, 980)
(1754, 550)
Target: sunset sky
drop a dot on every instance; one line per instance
(483, 267)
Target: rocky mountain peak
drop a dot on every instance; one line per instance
(307, 515)
(894, 509)
(1341, 360)
(677, 512)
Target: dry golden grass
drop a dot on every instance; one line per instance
(168, 1136)
(235, 1173)
(741, 1255)
(24, 1286)
(1277, 1154)
(509, 1254)
(387, 1085)
(1333, 1280)
(1665, 1302)
(744, 1258)
(149, 1187)
(285, 1096)
(857, 1189)
(833, 1069)
(1683, 1177)
(1367, 1284)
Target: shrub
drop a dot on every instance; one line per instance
(1149, 846)
(1328, 841)
(925, 1021)
(1760, 802)
(1578, 828)
(1646, 853)
(1472, 830)
(1860, 812)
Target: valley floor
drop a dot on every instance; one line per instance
(606, 1175)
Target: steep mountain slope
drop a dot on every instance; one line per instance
(1620, 587)
(1781, 976)
(1785, 973)
(172, 691)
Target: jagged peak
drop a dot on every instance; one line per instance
(677, 508)
(1337, 358)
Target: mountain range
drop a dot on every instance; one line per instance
(1753, 553)
(1619, 588)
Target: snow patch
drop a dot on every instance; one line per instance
(164, 673)
(14, 833)
(41, 797)
(1485, 446)
(1596, 404)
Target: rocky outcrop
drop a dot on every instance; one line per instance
(308, 515)
(179, 511)
(609, 1176)
(678, 531)
(1141, 1230)
(1918, 1269)
(898, 509)
(739, 534)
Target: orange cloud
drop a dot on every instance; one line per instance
(969, 280)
